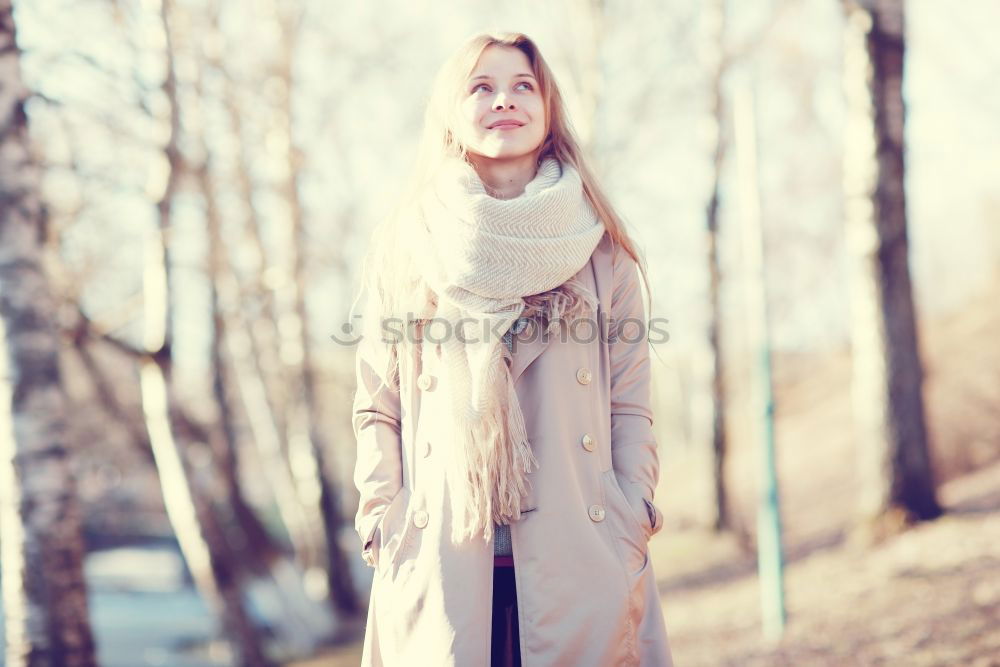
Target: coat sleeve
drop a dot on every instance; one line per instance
(634, 455)
(376, 425)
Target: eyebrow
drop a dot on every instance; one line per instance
(487, 76)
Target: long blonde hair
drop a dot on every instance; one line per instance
(388, 274)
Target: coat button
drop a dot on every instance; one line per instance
(420, 518)
(587, 442)
(425, 381)
(368, 557)
(583, 376)
(427, 448)
(596, 513)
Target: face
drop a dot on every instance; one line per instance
(502, 115)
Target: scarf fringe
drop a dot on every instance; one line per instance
(492, 491)
(566, 302)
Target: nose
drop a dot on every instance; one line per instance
(499, 104)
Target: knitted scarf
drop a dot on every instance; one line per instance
(486, 261)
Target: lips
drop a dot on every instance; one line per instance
(506, 123)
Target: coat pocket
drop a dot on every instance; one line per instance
(633, 536)
(391, 530)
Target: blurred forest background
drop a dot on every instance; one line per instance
(188, 187)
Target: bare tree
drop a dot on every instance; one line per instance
(715, 11)
(44, 592)
(887, 382)
(254, 346)
(306, 442)
(212, 566)
(303, 620)
(722, 59)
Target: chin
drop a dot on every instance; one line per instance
(508, 153)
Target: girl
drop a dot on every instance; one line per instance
(505, 459)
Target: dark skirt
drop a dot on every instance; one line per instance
(506, 647)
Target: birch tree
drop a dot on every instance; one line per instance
(306, 443)
(303, 622)
(721, 58)
(41, 562)
(897, 480)
(212, 566)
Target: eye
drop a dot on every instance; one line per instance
(530, 87)
(477, 87)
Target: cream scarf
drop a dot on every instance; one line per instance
(485, 260)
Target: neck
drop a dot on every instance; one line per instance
(505, 178)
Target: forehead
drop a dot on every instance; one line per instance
(505, 59)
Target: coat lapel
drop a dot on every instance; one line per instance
(531, 342)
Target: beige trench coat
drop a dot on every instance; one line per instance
(586, 591)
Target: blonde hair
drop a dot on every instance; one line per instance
(388, 274)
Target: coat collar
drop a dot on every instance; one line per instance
(595, 274)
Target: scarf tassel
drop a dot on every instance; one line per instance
(494, 486)
(566, 302)
(493, 490)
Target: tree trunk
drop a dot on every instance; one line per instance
(305, 441)
(298, 622)
(213, 568)
(44, 592)
(190, 514)
(252, 345)
(896, 472)
(719, 517)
